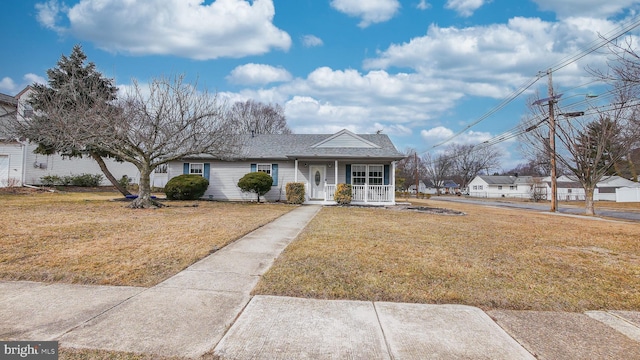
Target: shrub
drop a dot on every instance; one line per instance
(256, 182)
(343, 194)
(124, 181)
(295, 193)
(51, 180)
(86, 180)
(186, 187)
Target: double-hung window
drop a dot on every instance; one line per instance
(367, 175)
(196, 169)
(358, 174)
(265, 168)
(376, 174)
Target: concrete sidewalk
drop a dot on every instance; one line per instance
(207, 308)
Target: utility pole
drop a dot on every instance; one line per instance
(415, 160)
(552, 146)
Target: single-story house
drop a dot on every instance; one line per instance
(608, 186)
(567, 189)
(19, 165)
(366, 161)
(424, 187)
(492, 186)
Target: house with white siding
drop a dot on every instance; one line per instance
(491, 186)
(320, 161)
(19, 164)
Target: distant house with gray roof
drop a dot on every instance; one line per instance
(320, 161)
(501, 186)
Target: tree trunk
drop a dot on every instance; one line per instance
(632, 168)
(144, 200)
(588, 200)
(108, 174)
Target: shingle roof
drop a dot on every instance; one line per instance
(301, 146)
(506, 180)
(8, 99)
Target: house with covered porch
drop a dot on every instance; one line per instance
(320, 161)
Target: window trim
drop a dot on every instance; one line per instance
(264, 164)
(191, 169)
(367, 177)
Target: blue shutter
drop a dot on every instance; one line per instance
(254, 167)
(274, 174)
(386, 174)
(185, 168)
(207, 169)
(347, 179)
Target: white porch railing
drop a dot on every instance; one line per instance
(361, 194)
(372, 193)
(330, 191)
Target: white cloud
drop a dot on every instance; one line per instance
(370, 11)
(258, 74)
(49, 14)
(496, 59)
(588, 8)
(423, 5)
(186, 28)
(9, 86)
(311, 41)
(440, 133)
(464, 7)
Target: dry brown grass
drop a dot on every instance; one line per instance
(85, 238)
(491, 258)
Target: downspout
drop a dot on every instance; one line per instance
(295, 173)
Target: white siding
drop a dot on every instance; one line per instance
(38, 166)
(13, 152)
(224, 176)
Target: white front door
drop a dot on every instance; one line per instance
(4, 170)
(317, 176)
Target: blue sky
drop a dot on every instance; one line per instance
(419, 70)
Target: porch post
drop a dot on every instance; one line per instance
(295, 173)
(335, 168)
(393, 181)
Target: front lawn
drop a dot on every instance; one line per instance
(491, 258)
(86, 238)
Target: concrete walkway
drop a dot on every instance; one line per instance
(207, 308)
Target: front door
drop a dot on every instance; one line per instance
(317, 179)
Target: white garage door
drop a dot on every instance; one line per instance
(4, 170)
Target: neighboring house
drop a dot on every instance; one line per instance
(367, 162)
(491, 186)
(19, 165)
(450, 187)
(608, 186)
(424, 188)
(567, 189)
(570, 189)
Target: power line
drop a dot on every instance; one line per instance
(613, 34)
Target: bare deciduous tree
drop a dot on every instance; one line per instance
(409, 170)
(588, 146)
(470, 161)
(258, 118)
(166, 121)
(438, 168)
